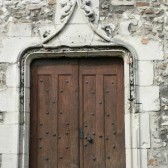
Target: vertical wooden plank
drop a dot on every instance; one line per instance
(100, 136)
(109, 112)
(33, 117)
(46, 122)
(120, 115)
(68, 119)
(110, 99)
(52, 119)
(74, 116)
(49, 97)
(64, 116)
(81, 125)
(89, 123)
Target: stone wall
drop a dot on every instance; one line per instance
(143, 25)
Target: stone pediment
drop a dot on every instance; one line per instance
(77, 22)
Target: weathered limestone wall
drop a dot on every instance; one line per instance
(142, 26)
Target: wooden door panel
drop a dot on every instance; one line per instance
(89, 120)
(54, 115)
(101, 94)
(77, 114)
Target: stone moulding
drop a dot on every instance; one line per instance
(36, 52)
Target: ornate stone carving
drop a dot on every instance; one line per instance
(66, 6)
(108, 29)
(86, 6)
(105, 5)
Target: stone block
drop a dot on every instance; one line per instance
(151, 51)
(135, 131)
(144, 136)
(149, 97)
(136, 158)
(12, 47)
(9, 100)
(140, 131)
(146, 73)
(77, 17)
(20, 30)
(124, 27)
(83, 35)
(9, 138)
(142, 4)
(9, 118)
(46, 30)
(128, 131)
(12, 75)
(9, 161)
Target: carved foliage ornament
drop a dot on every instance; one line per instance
(66, 6)
(67, 9)
(86, 6)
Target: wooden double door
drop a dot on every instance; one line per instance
(77, 113)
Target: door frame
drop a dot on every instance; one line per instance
(130, 95)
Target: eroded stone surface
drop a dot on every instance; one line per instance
(143, 25)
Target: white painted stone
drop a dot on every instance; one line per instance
(46, 29)
(144, 158)
(9, 100)
(135, 131)
(123, 29)
(12, 75)
(140, 131)
(20, 30)
(54, 42)
(144, 130)
(152, 51)
(138, 157)
(12, 46)
(128, 158)
(9, 138)
(9, 161)
(10, 118)
(78, 17)
(149, 97)
(146, 73)
(128, 131)
(83, 35)
(97, 40)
